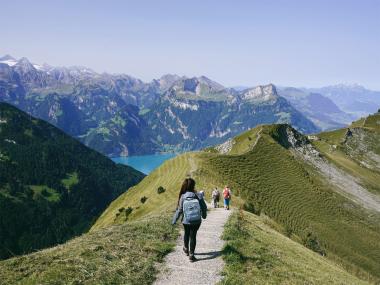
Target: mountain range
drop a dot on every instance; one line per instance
(321, 110)
(121, 115)
(353, 98)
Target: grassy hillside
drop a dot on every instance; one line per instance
(124, 254)
(51, 186)
(270, 179)
(267, 177)
(258, 254)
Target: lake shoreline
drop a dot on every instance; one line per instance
(145, 163)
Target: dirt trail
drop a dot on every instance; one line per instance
(193, 166)
(178, 270)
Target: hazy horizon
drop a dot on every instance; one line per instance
(245, 43)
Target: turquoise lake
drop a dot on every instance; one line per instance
(145, 163)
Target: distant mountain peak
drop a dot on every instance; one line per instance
(8, 60)
(24, 62)
(261, 92)
(7, 57)
(197, 85)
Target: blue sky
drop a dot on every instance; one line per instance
(293, 43)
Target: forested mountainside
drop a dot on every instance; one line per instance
(121, 115)
(52, 187)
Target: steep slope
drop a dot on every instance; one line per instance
(275, 170)
(121, 115)
(355, 150)
(51, 186)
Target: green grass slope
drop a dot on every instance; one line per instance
(51, 186)
(266, 177)
(124, 254)
(270, 179)
(258, 254)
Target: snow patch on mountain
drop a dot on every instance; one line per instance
(9, 62)
(185, 106)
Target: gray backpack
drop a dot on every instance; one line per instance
(192, 210)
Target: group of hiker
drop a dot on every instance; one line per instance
(215, 197)
(192, 208)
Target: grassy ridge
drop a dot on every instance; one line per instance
(270, 179)
(258, 254)
(117, 255)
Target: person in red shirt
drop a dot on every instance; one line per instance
(227, 197)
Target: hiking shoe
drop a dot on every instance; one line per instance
(192, 258)
(186, 251)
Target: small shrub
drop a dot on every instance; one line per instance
(161, 190)
(124, 211)
(311, 242)
(143, 199)
(128, 211)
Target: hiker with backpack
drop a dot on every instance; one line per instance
(215, 197)
(192, 208)
(227, 197)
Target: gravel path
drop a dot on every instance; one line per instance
(178, 270)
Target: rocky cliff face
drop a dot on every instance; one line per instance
(120, 115)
